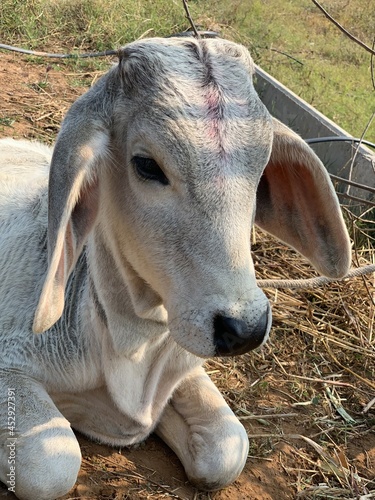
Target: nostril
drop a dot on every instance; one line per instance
(224, 325)
(229, 334)
(234, 336)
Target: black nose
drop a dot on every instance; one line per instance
(232, 336)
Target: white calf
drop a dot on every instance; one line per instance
(144, 268)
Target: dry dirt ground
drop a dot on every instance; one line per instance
(320, 360)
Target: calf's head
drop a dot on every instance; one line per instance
(174, 157)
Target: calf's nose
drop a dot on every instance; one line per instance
(233, 336)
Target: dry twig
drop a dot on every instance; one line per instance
(341, 28)
(188, 15)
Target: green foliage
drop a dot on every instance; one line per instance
(334, 75)
(6, 121)
(86, 24)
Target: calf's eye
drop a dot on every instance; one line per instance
(148, 170)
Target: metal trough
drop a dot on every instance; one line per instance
(351, 165)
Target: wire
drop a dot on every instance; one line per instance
(340, 138)
(110, 52)
(59, 56)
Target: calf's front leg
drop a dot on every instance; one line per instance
(204, 433)
(41, 455)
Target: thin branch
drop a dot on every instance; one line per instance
(347, 369)
(268, 416)
(341, 28)
(360, 201)
(192, 24)
(136, 474)
(287, 55)
(352, 183)
(372, 65)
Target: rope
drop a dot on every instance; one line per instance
(314, 282)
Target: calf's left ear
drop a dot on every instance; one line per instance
(297, 203)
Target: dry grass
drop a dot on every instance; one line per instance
(321, 357)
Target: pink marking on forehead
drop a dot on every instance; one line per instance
(214, 106)
(213, 101)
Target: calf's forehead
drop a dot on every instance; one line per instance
(191, 76)
(193, 58)
(201, 91)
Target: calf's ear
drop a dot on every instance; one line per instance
(73, 203)
(296, 202)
